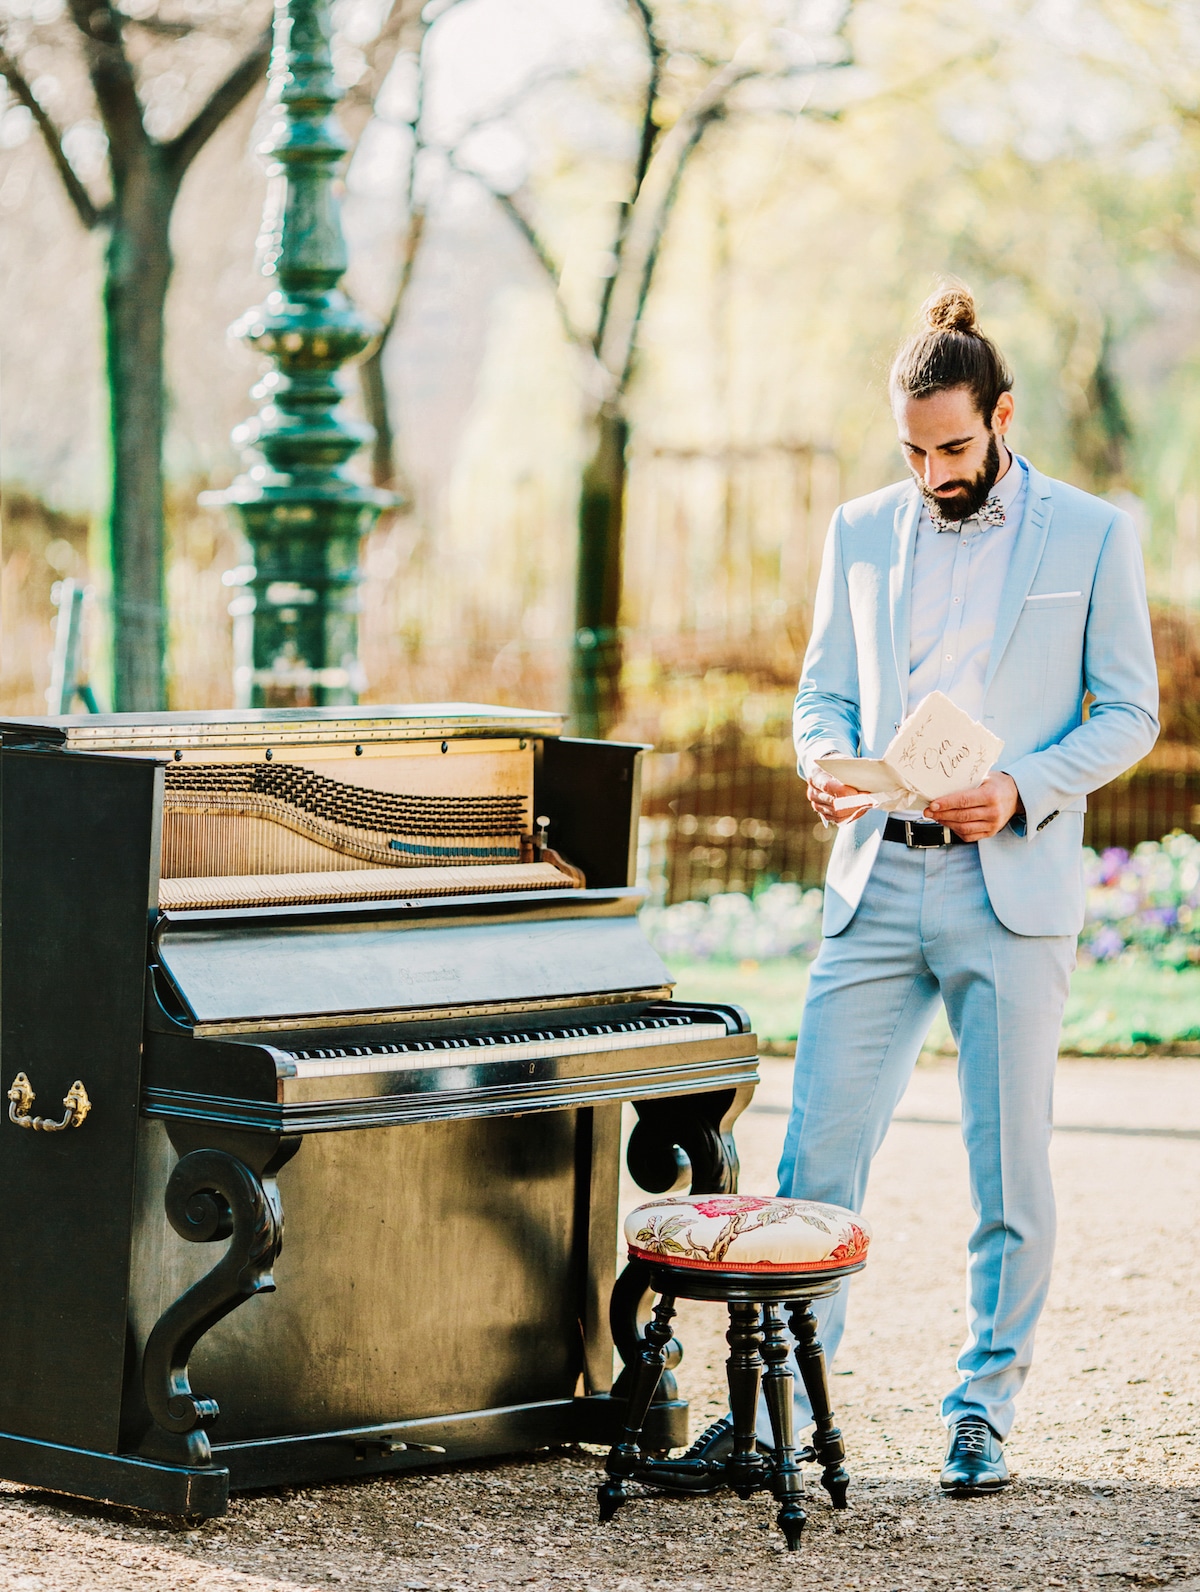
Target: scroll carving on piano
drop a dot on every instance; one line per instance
(210, 1196)
(683, 1145)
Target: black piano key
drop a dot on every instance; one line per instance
(633, 1025)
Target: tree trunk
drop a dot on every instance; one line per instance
(379, 417)
(596, 659)
(138, 269)
(386, 471)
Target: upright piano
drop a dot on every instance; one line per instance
(380, 969)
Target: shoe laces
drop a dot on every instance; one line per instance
(971, 1437)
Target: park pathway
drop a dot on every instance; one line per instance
(1107, 1449)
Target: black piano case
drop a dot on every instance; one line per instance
(427, 1086)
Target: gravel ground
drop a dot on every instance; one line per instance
(1106, 1450)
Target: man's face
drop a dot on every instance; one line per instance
(950, 448)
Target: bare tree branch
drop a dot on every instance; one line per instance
(654, 54)
(651, 209)
(160, 26)
(112, 81)
(646, 142)
(85, 207)
(525, 227)
(380, 55)
(385, 469)
(698, 126)
(404, 16)
(375, 398)
(537, 245)
(181, 150)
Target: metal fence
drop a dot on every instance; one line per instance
(723, 806)
(716, 819)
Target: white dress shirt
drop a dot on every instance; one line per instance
(958, 575)
(957, 578)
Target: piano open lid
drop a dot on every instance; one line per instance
(256, 728)
(273, 970)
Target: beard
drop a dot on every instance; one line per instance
(969, 496)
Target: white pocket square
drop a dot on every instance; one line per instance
(1045, 596)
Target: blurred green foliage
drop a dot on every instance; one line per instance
(1114, 1008)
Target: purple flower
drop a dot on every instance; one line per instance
(1112, 862)
(1106, 944)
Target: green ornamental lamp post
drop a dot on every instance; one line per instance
(303, 514)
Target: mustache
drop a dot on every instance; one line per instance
(956, 500)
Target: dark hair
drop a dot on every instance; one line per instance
(951, 351)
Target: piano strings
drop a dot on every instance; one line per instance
(280, 834)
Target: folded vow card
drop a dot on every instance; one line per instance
(938, 749)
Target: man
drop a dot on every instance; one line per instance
(1015, 595)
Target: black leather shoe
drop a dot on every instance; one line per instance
(975, 1460)
(702, 1468)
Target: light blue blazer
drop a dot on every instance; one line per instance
(1072, 618)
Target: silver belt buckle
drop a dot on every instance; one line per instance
(916, 845)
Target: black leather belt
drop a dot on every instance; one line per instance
(921, 837)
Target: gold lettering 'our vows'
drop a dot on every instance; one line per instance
(938, 749)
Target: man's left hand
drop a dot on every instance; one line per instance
(980, 813)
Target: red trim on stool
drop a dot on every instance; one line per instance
(787, 1268)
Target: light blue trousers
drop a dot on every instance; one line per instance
(925, 932)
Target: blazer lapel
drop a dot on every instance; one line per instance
(1026, 556)
(904, 541)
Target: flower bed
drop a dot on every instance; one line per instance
(782, 920)
(1145, 902)
(1140, 904)
(1137, 987)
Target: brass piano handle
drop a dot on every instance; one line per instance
(21, 1098)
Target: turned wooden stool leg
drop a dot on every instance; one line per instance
(744, 1468)
(787, 1483)
(827, 1440)
(625, 1456)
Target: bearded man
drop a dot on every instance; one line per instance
(1018, 597)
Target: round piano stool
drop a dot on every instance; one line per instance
(754, 1255)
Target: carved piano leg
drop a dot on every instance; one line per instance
(686, 1140)
(211, 1195)
(683, 1144)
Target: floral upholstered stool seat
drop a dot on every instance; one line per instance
(755, 1255)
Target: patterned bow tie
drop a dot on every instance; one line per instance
(992, 513)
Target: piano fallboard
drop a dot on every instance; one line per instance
(250, 971)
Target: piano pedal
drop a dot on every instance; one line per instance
(381, 1447)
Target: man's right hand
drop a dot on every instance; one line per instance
(822, 789)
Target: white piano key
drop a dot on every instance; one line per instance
(525, 1050)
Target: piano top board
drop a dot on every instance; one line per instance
(228, 729)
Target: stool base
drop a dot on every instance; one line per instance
(757, 1364)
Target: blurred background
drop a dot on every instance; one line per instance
(820, 167)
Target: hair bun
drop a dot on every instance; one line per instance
(951, 310)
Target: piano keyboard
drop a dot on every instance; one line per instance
(583, 1039)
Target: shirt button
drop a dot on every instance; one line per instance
(949, 657)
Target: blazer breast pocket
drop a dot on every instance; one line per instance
(1047, 601)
